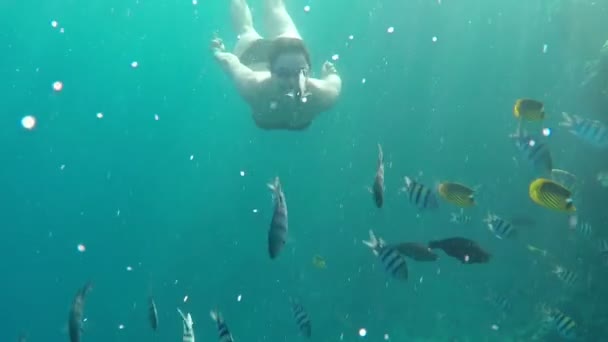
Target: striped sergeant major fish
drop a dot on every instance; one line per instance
(534, 151)
(152, 313)
(76, 313)
(584, 229)
(569, 277)
(460, 217)
(393, 261)
(301, 317)
(222, 328)
(500, 227)
(187, 323)
(277, 234)
(378, 187)
(563, 324)
(421, 196)
(591, 132)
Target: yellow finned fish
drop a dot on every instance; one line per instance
(528, 109)
(551, 195)
(319, 262)
(457, 194)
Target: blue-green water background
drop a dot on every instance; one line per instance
(187, 227)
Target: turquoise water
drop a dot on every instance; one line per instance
(166, 197)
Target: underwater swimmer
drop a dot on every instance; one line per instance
(273, 74)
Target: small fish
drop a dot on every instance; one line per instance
(319, 262)
(500, 227)
(551, 195)
(460, 217)
(457, 194)
(465, 250)
(591, 132)
(152, 314)
(76, 313)
(602, 178)
(416, 251)
(535, 249)
(277, 234)
(302, 318)
(529, 110)
(222, 328)
(584, 229)
(564, 178)
(569, 277)
(394, 263)
(22, 337)
(534, 151)
(378, 187)
(187, 324)
(603, 247)
(563, 324)
(419, 195)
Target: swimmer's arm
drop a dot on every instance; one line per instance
(326, 90)
(246, 79)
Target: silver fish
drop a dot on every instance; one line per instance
(589, 131)
(378, 187)
(152, 314)
(277, 234)
(76, 313)
(460, 217)
(187, 323)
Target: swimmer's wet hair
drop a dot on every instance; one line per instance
(284, 45)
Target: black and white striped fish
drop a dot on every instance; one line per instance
(419, 195)
(277, 234)
(222, 328)
(584, 229)
(592, 132)
(567, 276)
(534, 151)
(460, 217)
(393, 261)
(152, 313)
(301, 317)
(563, 324)
(501, 228)
(187, 325)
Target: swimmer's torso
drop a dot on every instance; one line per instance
(273, 109)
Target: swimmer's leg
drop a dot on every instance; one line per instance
(278, 21)
(242, 22)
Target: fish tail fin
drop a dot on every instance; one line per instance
(568, 120)
(373, 242)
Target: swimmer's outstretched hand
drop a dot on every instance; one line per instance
(217, 45)
(328, 69)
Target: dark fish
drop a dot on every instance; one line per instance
(420, 195)
(277, 235)
(152, 314)
(465, 250)
(76, 311)
(416, 251)
(394, 263)
(222, 328)
(378, 188)
(302, 318)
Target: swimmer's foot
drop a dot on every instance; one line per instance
(328, 69)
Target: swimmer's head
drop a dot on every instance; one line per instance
(288, 59)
